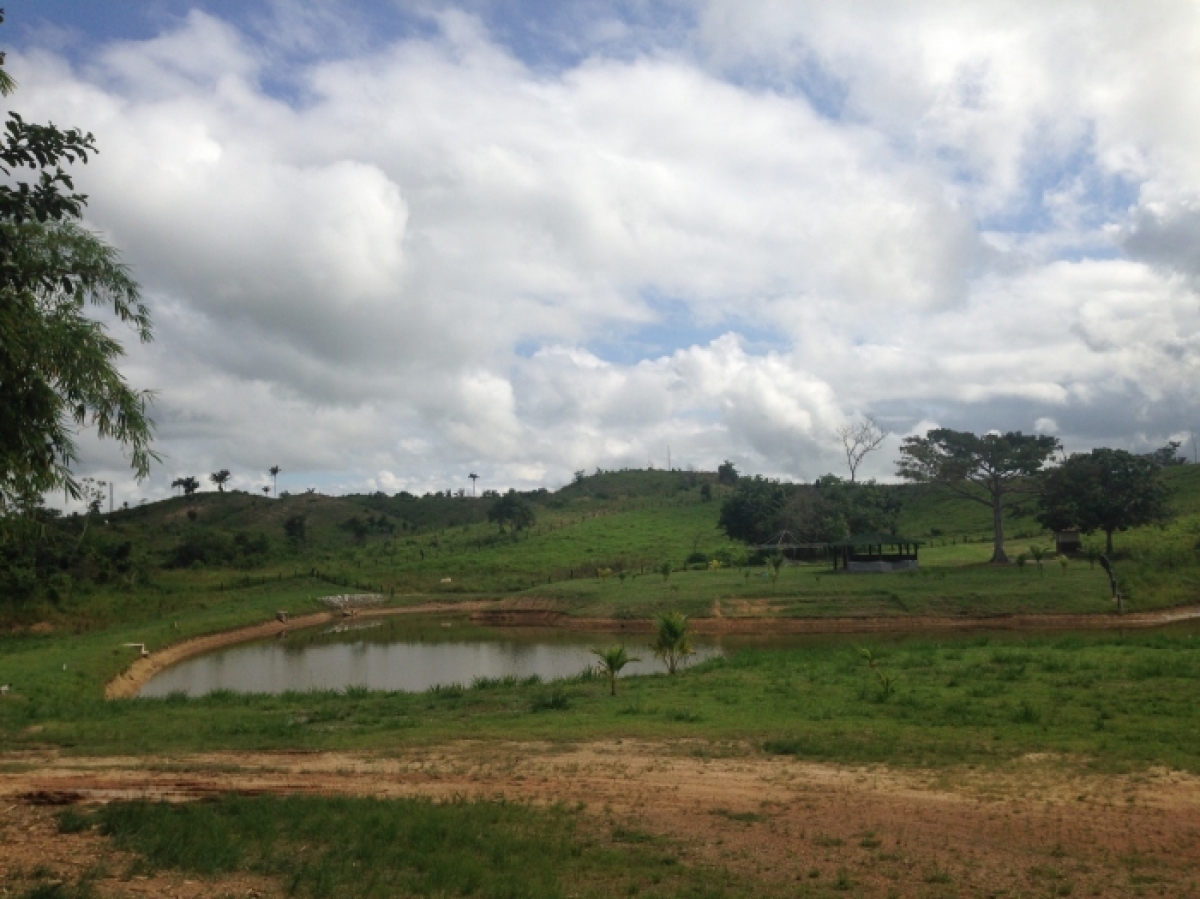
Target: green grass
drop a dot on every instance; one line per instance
(1107, 700)
(628, 522)
(818, 700)
(354, 848)
(953, 580)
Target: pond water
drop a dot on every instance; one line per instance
(415, 654)
(392, 654)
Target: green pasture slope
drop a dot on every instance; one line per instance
(1111, 699)
(190, 555)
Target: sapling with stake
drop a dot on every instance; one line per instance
(776, 561)
(1038, 554)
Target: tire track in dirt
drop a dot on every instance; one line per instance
(1038, 825)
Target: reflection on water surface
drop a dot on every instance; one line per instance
(397, 655)
(416, 654)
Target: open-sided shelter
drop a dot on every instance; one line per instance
(876, 552)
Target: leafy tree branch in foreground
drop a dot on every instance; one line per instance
(58, 366)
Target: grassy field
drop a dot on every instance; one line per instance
(349, 847)
(1108, 702)
(1105, 700)
(953, 581)
(602, 521)
(445, 549)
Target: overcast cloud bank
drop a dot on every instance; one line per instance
(390, 265)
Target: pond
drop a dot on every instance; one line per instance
(394, 654)
(415, 654)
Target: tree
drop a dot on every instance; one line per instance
(858, 439)
(220, 478)
(749, 514)
(296, 528)
(993, 470)
(274, 471)
(1166, 456)
(57, 366)
(726, 473)
(356, 527)
(1105, 490)
(833, 509)
(513, 511)
(612, 660)
(189, 485)
(672, 642)
(474, 477)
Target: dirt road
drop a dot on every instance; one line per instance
(1041, 826)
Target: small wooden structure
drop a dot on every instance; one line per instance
(881, 553)
(1068, 542)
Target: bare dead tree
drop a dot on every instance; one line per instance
(859, 438)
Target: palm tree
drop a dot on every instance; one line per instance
(673, 643)
(474, 477)
(273, 471)
(266, 490)
(612, 660)
(220, 478)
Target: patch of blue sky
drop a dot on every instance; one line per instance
(555, 37)
(289, 35)
(545, 36)
(527, 348)
(83, 25)
(1097, 197)
(825, 92)
(1093, 252)
(675, 327)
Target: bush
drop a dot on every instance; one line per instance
(556, 700)
(203, 547)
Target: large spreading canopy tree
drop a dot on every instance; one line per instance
(994, 469)
(57, 365)
(1104, 490)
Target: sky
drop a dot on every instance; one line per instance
(390, 244)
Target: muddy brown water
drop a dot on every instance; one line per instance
(399, 656)
(413, 654)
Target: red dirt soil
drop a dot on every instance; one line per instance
(1041, 826)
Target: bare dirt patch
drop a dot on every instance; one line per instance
(1041, 826)
(34, 854)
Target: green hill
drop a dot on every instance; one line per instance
(188, 551)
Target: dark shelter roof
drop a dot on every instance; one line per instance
(878, 540)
